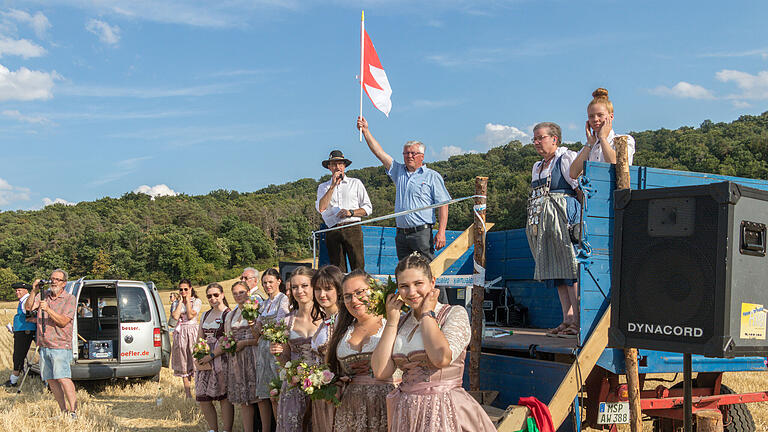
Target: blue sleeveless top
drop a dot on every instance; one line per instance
(559, 184)
(20, 322)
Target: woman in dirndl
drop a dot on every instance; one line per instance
(326, 288)
(429, 345)
(293, 402)
(211, 373)
(184, 309)
(553, 208)
(357, 332)
(273, 309)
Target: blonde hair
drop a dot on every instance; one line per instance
(600, 96)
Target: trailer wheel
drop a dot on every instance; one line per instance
(739, 417)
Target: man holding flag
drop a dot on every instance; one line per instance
(416, 186)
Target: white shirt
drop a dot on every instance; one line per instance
(597, 151)
(565, 167)
(456, 330)
(349, 194)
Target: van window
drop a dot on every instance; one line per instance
(134, 306)
(107, 307)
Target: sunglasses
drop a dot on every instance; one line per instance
(212, 295)
(239, 293)
(183, 289)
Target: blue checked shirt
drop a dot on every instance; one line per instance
(420, 188)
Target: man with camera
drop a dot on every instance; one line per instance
(55, 311)
(23, 333)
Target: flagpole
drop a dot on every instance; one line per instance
(362, 53)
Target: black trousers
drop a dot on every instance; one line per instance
(419, 241)
(21, 342)
(346, 243)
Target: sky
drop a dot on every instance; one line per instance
(99, 98)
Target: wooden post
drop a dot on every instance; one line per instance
(709, 420)
(630, 354)
(478, 290)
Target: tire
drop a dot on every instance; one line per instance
(739, 417)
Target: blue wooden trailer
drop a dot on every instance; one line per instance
(528, 363)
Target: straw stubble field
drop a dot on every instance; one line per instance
(144, 406)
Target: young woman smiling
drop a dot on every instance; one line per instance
(293, 403)
(357, 333)
(429, 345)
(326, 285)
(184, 310)
(273, 309)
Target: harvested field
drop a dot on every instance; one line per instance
(143, 406)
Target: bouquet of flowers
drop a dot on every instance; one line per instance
(201, 349)
(293, 372)
(274, 388)
(250, 309)
(230, 344)
(377, 296)
(276, 332)
(318, 382)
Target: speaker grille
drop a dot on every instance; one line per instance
(668, 276)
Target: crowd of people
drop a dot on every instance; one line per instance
(398, 372)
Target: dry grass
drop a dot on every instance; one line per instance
(143, 406)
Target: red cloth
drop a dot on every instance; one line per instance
(540, 413)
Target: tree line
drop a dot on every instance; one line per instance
(213, 236)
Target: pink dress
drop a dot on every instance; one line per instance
(293, 402)
(184, 339)
(363, 402)
(432, 399)
(211, 384)
(322, 411)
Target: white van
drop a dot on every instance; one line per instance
(120, 330)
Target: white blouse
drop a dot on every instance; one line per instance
(568, 156)
(235, 319)
(596, 154)
(456, 329)
(345, 349)
(274, 309)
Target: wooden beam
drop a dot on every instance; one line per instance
(451, 253)
(561, 402)
(478, 288)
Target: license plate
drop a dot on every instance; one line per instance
(613, 412)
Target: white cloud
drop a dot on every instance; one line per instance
(684, 90)
(10, 193)
(752, 86)
(108, 34)
(47, 201)
(25, 84)
(498, 134)
(452, 150)
(20, 47)
(39, 22)
(146, 93)
(156, 190)
(15, 114)
(741, 104)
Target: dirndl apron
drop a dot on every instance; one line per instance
(552, 208)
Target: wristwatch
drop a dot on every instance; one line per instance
(428, 314)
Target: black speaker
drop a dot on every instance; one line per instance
(286, 268)
(690, 273)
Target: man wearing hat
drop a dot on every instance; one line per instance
(23, 333)
(341, 201)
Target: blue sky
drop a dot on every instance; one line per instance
(98, 98)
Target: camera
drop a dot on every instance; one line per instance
(42, 283)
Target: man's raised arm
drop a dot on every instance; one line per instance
(374, 145)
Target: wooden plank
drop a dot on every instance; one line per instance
(451, 253)
(561, 402)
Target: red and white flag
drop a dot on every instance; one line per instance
(375, 80)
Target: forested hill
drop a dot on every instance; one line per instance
(210, 237)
